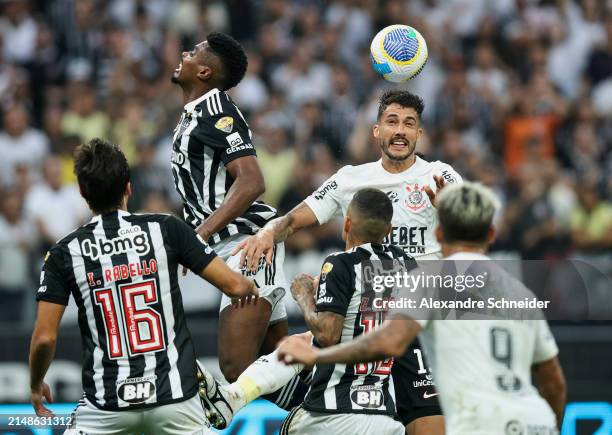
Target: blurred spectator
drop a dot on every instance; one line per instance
(155, 201)
(302, 78)
(18, 31)
(251, 94)
(276, 160)
(600, 60)
(486, 75)
(18, 237)
(83, 117)
(146, 177)
(530, 131)
(131, 126)
(56, 209)
(20, 145)
(529, 226)
(591, 220)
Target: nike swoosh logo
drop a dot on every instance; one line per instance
(426, 395)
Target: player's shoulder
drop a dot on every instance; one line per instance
(350, 171)
(443, 169)
(82, 231)
(215, 104)
(339, 259)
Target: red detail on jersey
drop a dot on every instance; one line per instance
(130, 270)
(104, 298)
(370, 321)
(136, 317)
(143, 324)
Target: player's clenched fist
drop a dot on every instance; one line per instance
(253, 248)
(295, 350)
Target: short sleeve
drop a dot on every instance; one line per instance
(336, 286)
(226, 132)
(53, 283)
(193, 252)
(324, 201)
(449, 175)
(545, 346)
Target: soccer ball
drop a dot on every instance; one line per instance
(398, 53)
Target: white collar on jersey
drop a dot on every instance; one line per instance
(191, 105)
(417, 168)
(467, 256)
(97, 217)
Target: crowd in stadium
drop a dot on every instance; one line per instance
(518, 96)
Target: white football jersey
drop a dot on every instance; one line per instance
(414, 217)
(482, 370)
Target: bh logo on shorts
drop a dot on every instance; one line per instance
(136, 390)
(367, 396)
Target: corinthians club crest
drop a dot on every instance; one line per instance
(416, 197)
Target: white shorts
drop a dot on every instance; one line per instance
(302, 422)
(268, 278)
(182, 418)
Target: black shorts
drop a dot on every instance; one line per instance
(415, 393)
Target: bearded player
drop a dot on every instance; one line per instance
(216, 173)
(411, 183)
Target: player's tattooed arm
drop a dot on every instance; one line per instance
(247, 187)
(390, 340)
(42, 350)
(275, 231)
(325, 326)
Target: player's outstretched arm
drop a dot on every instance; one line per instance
(390, 340)
(228, 281)
(551, 383)
(42, 350)
(275, 231)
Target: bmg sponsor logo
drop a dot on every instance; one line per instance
(130, 239)
(326, 189)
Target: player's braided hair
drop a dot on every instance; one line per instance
(403, 98)
(232, 56)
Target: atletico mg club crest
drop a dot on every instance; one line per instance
(416, 197)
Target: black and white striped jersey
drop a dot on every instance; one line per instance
(121, 269)
(362, 387)
(211, 133)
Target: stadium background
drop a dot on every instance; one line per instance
(518, 95)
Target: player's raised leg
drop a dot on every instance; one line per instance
(266, 375)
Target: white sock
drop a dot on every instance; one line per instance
(266, 375)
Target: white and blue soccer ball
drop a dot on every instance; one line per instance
(398, 53)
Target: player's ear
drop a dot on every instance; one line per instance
(438, 233)
(376, 130)
(491, 234)
(205, 73)
(346, 227)
(128, 189)
(389, 228)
